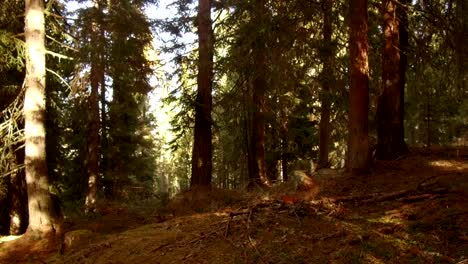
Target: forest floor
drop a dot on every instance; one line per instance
(413, 210)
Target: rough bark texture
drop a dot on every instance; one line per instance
(94, 118)
(390, 130)
(257, 165)
(42, 219)
(358, 157)
(327, 78)
(203, 147)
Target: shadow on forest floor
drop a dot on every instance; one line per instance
(413, 210)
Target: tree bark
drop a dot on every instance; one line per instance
(42, 218)
(257, 164)
(358, 157)
(390, 129)
(94, 122)
(203, 147)
(327, 77)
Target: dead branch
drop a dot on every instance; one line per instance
(415, 198)
(240, 212)
(416, 195)
(387, 196)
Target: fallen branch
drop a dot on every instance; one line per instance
(416, 198)
(387, 196)
(380, 197)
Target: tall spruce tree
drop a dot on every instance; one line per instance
(129, 70)
(42, 216)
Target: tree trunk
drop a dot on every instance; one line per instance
(94, 121)
(104, 166)
(358, 157)
(257, 164)
(203, 147)
(404, 44)
(327, 78)
(390, 130)
(461, 46)
(42, 218)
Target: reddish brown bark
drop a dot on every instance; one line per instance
(257, 164)
(390, 130)
(327, 77)
(358, 158)
(203, 147)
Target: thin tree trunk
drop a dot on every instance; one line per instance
(327, 77)
(104, 168)
(94, 122)
(284, 158)
(358, 157)
(390, 131)
(42, 218)
(404, 44)
(203, 147)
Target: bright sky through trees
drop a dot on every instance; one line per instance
(159, 80)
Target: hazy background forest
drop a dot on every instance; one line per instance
(135, 88)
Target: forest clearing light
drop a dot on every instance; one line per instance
(449, 165)
(441, 163)
(8, 238)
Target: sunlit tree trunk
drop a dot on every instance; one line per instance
(390, 131)
(358, 156)
(42, 218)
(94, 118)
(203, 147)
(327, 78)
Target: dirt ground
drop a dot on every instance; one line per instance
(413, 210)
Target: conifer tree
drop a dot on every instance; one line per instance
(358, 156)
(390, 129)
(42, 217)
(203, 147)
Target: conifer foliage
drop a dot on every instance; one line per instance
(259, 89)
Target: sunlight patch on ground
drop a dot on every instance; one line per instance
(8, 238)
(449, 165)
(372, 259)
